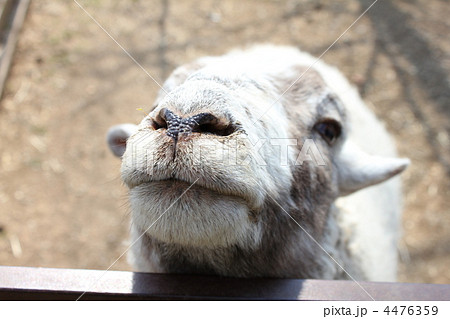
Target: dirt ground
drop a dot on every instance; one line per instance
(61, 200)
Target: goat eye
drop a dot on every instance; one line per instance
(330, 130)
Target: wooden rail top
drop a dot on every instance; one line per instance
(23, 283)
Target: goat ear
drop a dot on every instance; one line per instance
(117, 137)
(357, 169)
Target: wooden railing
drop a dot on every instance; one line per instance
(23, 283)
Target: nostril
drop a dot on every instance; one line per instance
(160, 120)
(159, 123)
(216, 129)
(209, 124)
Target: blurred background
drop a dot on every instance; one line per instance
(62, 203)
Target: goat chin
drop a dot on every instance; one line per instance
(190, 215)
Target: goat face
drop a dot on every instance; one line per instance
(225, 152)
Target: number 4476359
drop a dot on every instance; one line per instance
(411, 310)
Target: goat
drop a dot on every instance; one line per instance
(261, 163)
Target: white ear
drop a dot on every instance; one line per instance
(357, 169)
(117, 137)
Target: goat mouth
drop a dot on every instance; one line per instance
(171, 183)
(168, 181)
(177, 182)
(178, 185)
(176, 188)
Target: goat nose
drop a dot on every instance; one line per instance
(201, 123)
